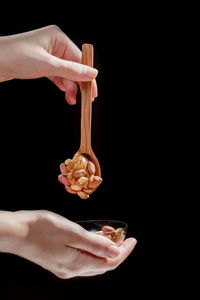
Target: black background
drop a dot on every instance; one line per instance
(132, 136)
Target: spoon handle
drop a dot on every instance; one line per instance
(86, 102)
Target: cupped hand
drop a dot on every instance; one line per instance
(64, 247)
(45, 52)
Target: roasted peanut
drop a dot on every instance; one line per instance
(63, 169)
(75, 187)
(79, 173)
(70, 178)
(99, 232)
(95, 182)
(63, 179)
(108, 229)
(82, 180)
(91, 168)
(69, 190)
(88, 191)
(119, 235)
(82, 195)
(67, 161)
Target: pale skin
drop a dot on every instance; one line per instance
(58, 245)
(45, 52)
(43, 237)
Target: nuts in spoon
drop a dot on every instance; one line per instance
(78, 176)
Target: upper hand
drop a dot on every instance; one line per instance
(45, 52)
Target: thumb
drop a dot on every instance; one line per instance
(96, 244)
(71, 70)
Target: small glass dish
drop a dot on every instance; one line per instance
(95, 226)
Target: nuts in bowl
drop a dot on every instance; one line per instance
(79, 176)
(111, 229)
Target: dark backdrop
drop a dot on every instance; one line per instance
(131, 136)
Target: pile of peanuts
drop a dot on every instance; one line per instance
(116, 235)
(78, 176)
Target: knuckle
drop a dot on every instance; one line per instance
(80, 69)
(54, 27)
(62, 275)
(97, 250)
(42, 214)
(75, 67)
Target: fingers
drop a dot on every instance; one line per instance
(65, 66)
(93, 244)
(92, 265)
(94, 89)
(85, 264)
(69, 69)
(125, 250)
(71, 88)
(58, 82)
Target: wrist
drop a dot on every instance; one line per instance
(5, 70)
(13, 229)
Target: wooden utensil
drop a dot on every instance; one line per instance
(86, 111)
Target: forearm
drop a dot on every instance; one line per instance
(12, 229)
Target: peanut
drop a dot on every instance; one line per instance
(116, 236)
(108, 236)
(91, 168)
(63, 169)
(79, 173)
(99, 232)
(70, 178)
(119, 235)
(82, 180)
(69, 190)
(79, 161)
(67, 161)
(88, 191)
(63, 179)
(75, 187)
(92, 177)
(82, 195)
(108, 229)
(95, 183)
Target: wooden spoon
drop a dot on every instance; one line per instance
(86, 111)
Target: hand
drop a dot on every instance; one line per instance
(45, 52)
(64, 247)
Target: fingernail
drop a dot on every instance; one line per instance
(113, 251)
(72, 101)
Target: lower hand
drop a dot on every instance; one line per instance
(64, 247)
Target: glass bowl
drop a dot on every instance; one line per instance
(95, 226)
